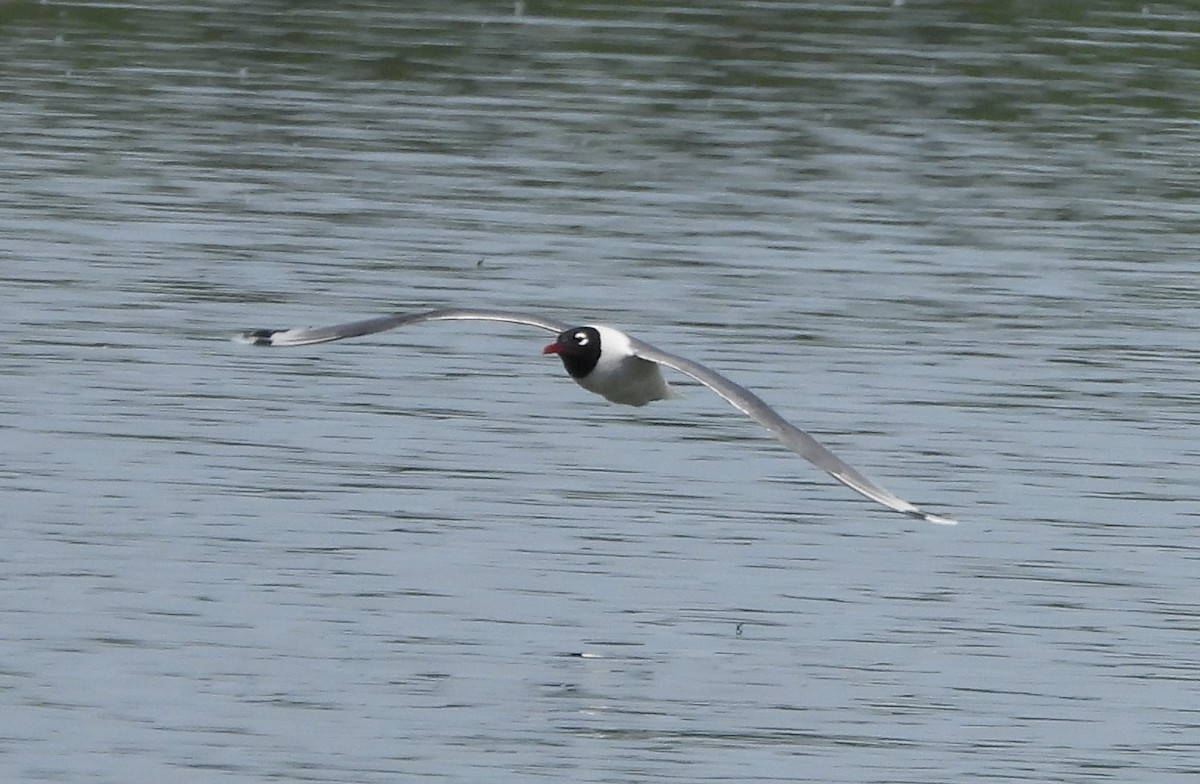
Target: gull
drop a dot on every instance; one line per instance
(621, 369)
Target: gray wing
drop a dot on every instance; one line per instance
(791, 436)
(306, 336)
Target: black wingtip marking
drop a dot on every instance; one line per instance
(929, 517)
(259, 337)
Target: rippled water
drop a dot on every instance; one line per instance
(955, 240)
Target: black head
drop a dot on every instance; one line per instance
(578, 348)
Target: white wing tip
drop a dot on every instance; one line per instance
(253, 338)
(258, 337)
(272, 337)
(937, 519)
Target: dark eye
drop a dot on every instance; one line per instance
(581, 338)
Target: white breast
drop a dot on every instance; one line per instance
(621, 377)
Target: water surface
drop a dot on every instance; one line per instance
(954, 240)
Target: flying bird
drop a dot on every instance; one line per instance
(621, 369)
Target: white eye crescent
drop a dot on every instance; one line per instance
(581, 338)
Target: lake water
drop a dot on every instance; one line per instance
(956, 240)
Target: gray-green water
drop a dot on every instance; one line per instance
(956, 240)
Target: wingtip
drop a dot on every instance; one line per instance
(938, 519)
(256, 337)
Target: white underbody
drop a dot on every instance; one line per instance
(620, 377)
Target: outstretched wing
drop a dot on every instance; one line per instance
(743, 399)
(305, 336)
(788, 434)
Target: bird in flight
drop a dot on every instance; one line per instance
(622, 369)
